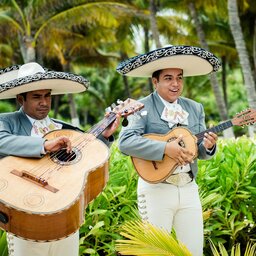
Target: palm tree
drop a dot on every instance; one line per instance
(237, 33)
(72, 34)
(213, 77)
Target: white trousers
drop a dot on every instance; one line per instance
(168, 206)
(65, 247)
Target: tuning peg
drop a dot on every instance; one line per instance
(113, 105)
(119, 102)
(125, 122)
(108, 109)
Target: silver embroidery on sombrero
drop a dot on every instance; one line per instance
(44, 76)
(137, 61)
(8, 69)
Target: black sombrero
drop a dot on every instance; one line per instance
(31, 77)
(194, 61)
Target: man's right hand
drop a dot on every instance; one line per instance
(57, 144)
(179, 154)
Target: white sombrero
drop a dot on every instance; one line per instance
(194, 61)
(31, 77)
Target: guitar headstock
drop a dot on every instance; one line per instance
(246, 117)
(127, 107)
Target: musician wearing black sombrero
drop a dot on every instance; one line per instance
(167, 166)
(22, 134)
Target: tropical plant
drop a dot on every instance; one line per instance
(231, 174)
(143, 238)
(110, 209)
(3, 244)
(235, 251)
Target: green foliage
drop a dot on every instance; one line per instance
(3, 244)
(228, 193)
(235, 251)
(110, 209)
(143, 238)
(227, 186)
(231, 175)
(6, 106)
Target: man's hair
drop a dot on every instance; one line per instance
(156, 74)
(24, 95)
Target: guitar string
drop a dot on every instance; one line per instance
(100, 127)
(96, 129)
(37, 170)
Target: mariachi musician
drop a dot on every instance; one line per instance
(173, 200)
(22, 134)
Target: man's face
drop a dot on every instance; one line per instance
(170, 84)
(37, 104)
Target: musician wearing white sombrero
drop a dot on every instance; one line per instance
(22, 134)
(170, 201)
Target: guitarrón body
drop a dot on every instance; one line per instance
(71, 188)
(45, 199)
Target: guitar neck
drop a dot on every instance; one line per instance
(216, 129)
(100, 127)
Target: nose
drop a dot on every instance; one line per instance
(43, 101)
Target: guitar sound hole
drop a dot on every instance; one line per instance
(181, 143)
(64, 158)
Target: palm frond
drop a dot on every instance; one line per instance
(145, 239)
(235, 250)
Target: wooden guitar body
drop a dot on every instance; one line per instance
(45, 199)
(158, 171)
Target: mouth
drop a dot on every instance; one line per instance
(44, 110)
(174, 90)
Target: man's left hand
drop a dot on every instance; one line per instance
(210, 140)
(112, 128)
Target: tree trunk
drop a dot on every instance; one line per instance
(28, 51)
(126, 85)
(234, 23)
(237, 33)
(146, 49)
(153, 23)
(72, 104)
(155, 32)
(56, 100)
(213, 77)
(73, 112)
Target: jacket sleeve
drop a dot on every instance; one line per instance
(132, 143)
(14, 144)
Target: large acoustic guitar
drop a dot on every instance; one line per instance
(158, 171)
(45, 199)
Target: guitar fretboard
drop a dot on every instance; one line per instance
(101, 126)
(216, 129)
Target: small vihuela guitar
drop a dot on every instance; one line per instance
(158, 171)
(45, 199)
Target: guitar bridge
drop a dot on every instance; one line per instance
(37, 180)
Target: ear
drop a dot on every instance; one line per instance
(154, 81)
(20, 99)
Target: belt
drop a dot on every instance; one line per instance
(180, 179)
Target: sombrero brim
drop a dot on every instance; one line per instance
(57, 82)
(9, 73)
(194, 61)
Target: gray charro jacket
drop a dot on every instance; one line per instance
(131, 141)
(15, 139)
